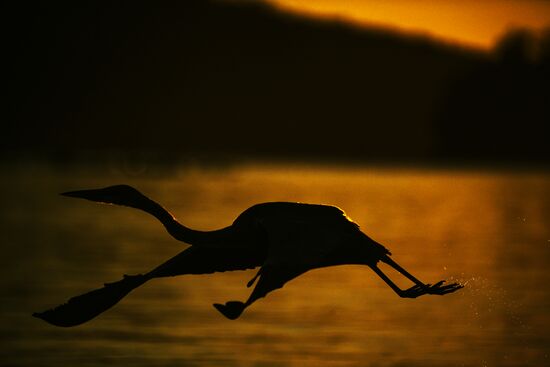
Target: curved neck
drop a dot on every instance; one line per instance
(183, 233)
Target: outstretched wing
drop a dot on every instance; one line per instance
(194, 260)
(86, 306)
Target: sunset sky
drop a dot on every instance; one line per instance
(468, 22)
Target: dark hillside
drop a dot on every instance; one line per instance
(208, 78)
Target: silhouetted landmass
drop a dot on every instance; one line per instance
(502, 108)
(216, 79)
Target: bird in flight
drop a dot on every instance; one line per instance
(283, 239)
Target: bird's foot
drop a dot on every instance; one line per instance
(440, 289)
(415, 291)
(232, 309)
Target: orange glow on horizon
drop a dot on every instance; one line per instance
(472, 23)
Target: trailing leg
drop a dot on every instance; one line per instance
(386, 259)
(419, 288)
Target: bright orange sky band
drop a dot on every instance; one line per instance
(475, 23)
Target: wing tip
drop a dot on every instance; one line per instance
(232, 309)
(51, 318)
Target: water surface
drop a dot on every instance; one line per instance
(488, 230)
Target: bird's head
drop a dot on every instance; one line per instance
(118, 194)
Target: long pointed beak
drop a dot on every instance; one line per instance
(77, 194)
(93, 195)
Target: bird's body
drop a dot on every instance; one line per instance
(284, 239)
(315, 235)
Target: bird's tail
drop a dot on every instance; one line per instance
(85, 307)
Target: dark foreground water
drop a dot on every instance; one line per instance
(488, 230)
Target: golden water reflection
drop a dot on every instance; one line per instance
(489, 230)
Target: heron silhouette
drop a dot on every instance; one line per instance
(284, 239)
